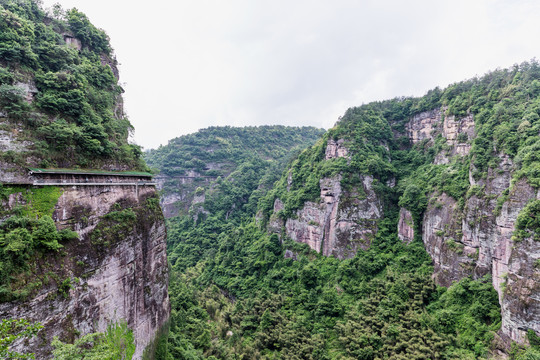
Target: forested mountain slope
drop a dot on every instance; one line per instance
(213, 158)
(409, 231)
(86, 260)
(60, 100)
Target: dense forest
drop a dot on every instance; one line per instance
(231, 167)
(239, 291)
(59, 86)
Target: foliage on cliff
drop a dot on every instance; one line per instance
(246, 299)
(117, 343)
(216, 151)
(65, 98)
(238, 290)
(505, 105)
(26, 233)
(12, 330)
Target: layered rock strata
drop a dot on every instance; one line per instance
(476, 238)
(117, 269)
(341, 222)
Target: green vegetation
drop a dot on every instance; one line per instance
(234, 166)
(234, 295)
(528, 222)
(246, 299)
(75, 116)
(117, 343)
(89, 171)
(113, 227)
(26, 236)
(217, 151)
(12, 330)
(233, 292)
(527, 353)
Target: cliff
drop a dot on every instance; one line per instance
(115, 269)
(475, 238)
(456, 169)
(84, 247)
(341, 223)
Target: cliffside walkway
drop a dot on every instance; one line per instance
(75, 177)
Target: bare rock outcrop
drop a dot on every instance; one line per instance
(424, 125)
(453, 258)
(336, 149)
(341, 222)
(178, 191)
(518, 274)
(405, 226)
(458, 132)
(476, 240)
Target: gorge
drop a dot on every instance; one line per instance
(409, 230)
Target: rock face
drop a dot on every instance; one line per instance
(117, 268)
(10, 142)
(521, 291)
(405, 226)
(469, 237)
(336, 149)
(452, 257)
(476, 240)
(457, 132)
(422, 126)
(339, 224)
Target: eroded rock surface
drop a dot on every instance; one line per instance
(342, 222)
(180, 191)
(519, 277)
(476, 238)
(336, 149)
(405, 226)
(458, 132)
(115, 272)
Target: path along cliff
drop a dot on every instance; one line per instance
(114, 270)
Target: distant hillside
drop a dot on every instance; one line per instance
(217, 159)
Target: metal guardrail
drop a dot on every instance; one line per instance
(38, 183)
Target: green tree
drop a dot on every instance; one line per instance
(117, 343)
(13, 329)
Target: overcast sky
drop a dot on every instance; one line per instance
(190, 64)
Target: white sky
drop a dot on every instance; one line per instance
(190, 64)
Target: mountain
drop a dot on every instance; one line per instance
(82, 236)
(226, 153)
(408, 231)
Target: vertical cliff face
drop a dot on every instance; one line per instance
(475, 239)
(520, 286)
(342, 222)
(116, 269)
(74, 258)
(465, 235)
(178, 191)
